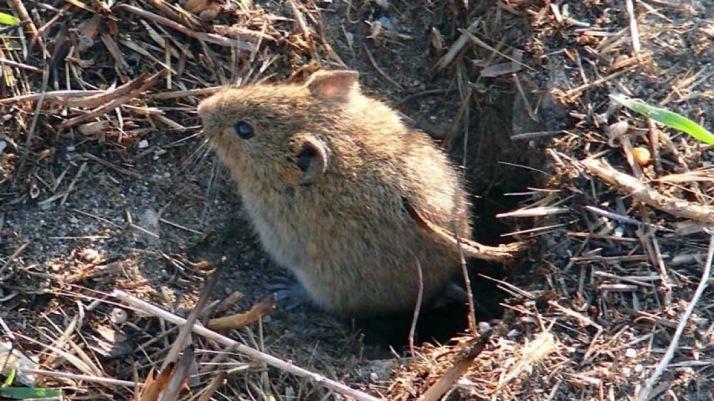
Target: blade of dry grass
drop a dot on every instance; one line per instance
(146, 84)
(207, 37)
(504, 253)
(417, 309)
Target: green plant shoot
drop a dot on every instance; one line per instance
(8, 380)
(666, 117)
(7, 19)
(23, 393)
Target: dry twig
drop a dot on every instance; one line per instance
(642, 193)
(237, 321)
(250, 352)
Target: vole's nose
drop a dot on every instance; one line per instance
(208, 108)
(201, 109)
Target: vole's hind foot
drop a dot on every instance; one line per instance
(289, 293)
(453, 294)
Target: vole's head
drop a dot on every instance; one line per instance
(277, 131)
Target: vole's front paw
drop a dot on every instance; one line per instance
(289, 293)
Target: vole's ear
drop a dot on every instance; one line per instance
(332, 85)
(310, 155)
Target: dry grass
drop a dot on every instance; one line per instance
(610, 305)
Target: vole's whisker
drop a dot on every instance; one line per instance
(185, 139)
(197, 157)
(211, 189)
(191, 168)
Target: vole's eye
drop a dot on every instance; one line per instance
(244, 130)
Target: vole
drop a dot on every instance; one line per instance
(342, 193)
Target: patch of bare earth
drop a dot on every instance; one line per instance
(106, 193)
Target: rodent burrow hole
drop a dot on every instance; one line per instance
(495, 169)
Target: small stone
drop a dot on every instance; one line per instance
(642, 155)
(118, 316)
(483, 326)
(382, 3)
(631, 353)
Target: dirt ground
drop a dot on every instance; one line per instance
(127, 199)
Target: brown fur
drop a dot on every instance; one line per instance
(341, 226)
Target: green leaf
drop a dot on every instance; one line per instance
(666, 117)
(7, 19)
(23, 393)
